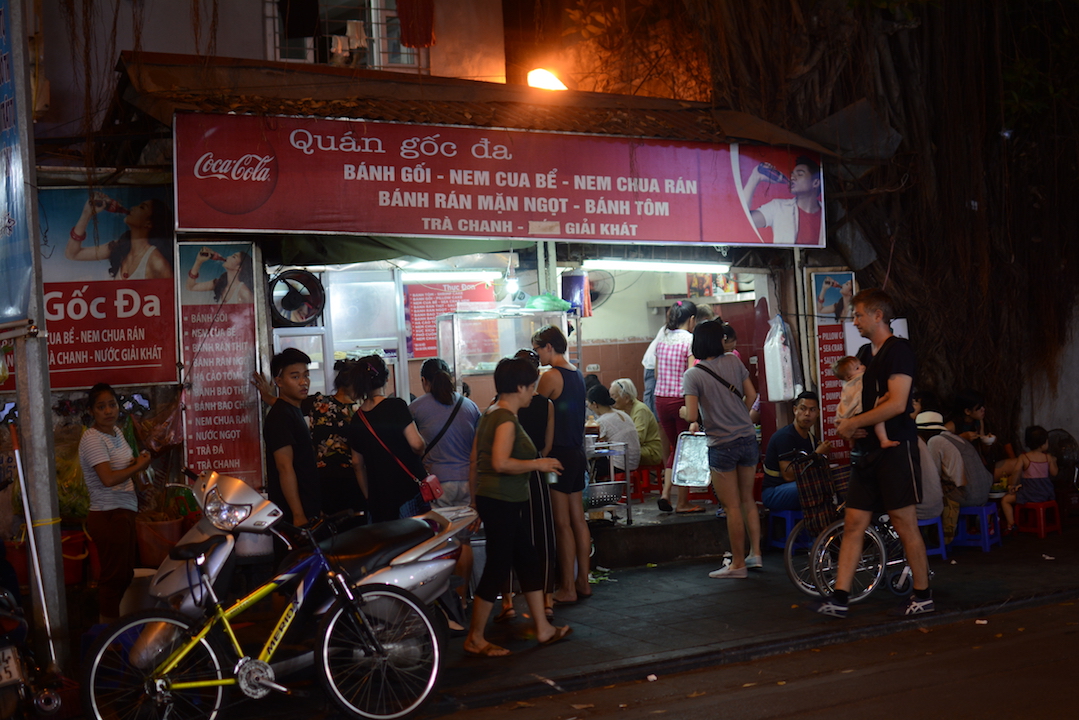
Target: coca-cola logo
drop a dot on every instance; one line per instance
(235, 168)
(250, 167)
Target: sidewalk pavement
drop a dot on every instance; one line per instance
(673, 617)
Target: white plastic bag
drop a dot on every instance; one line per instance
(781, 366)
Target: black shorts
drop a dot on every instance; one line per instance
(574, 466)
(886, 479)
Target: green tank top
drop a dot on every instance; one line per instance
(511, 488)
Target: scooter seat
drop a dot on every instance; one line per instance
(363, 550)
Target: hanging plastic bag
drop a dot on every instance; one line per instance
(781, 365)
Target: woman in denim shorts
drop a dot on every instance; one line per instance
(719, 395)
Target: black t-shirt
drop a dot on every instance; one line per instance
(533, 418)
(285, 426)
(895, 357)
(388, 485)
(783, 441)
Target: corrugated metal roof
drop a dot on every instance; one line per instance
(161, 84)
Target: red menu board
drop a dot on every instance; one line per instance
(424, 303)
(222, 410)
(830, 348)
(832, 293)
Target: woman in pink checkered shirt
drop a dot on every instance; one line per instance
(672, 359)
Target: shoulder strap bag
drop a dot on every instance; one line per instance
(726, 384)
(444, 427)
(430, 487)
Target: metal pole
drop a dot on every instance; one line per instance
(34, 396)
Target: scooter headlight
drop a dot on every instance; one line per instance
(223, 515)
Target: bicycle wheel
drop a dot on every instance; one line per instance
(796, 559)
(824, 561)
(118, 683)
(381, 657)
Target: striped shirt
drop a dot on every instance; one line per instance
(95, 448)
(672, 355)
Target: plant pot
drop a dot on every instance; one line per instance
(156, 538)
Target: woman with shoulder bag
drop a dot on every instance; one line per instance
(386, 446)
(719, 395)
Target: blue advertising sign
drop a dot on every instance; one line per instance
(15, 259)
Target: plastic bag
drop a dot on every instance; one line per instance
(781, 365)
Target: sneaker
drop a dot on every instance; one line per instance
(830, 608)
(914, 606)
(728, 573)
(753, 562)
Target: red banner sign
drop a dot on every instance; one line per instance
(277, 174)
(222, 409)
(424, 303)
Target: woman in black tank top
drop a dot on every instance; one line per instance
(564, 385)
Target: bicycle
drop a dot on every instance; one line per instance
(811, 554)
(378, 651)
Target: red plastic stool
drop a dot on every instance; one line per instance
(1034, 518)
(641, 481)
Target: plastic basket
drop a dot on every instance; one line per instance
(603, 494)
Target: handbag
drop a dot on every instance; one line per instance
(430, 487)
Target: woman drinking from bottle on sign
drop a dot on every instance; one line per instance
(231, 286)
(143, 252)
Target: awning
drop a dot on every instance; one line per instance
(160, 84)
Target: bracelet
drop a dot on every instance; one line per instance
(76, 237)
(192, 274)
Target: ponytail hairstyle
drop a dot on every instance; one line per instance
(369, 374)
(679, 313)
(437, 373)
(343, 379)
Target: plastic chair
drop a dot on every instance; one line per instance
(778, 532)
(940, 548)
(642, 483)
(1036, 518)
(988, 527)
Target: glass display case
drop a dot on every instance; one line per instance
(472, 343)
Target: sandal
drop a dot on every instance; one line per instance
(489, 650)
(506, 615)
(559, 634)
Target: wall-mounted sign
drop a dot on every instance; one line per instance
(221, 407)
(306, 175)
(424, 302)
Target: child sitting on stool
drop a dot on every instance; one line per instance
(1037, 468)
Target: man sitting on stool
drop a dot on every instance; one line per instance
(780, 491)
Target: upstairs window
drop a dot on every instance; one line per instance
(346, 33)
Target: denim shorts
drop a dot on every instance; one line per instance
(741, 452)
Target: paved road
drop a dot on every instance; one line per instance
(1019, 664)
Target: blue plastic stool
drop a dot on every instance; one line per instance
(790, 518)
(940, 548)
(988, 533)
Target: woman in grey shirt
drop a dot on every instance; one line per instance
(719, 395)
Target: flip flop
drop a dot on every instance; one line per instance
(559, 634)
(664, 505)
(506, 615)
(489, 650)
(549, 612)
(696, 509)
(583, 596)
(556, 601)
